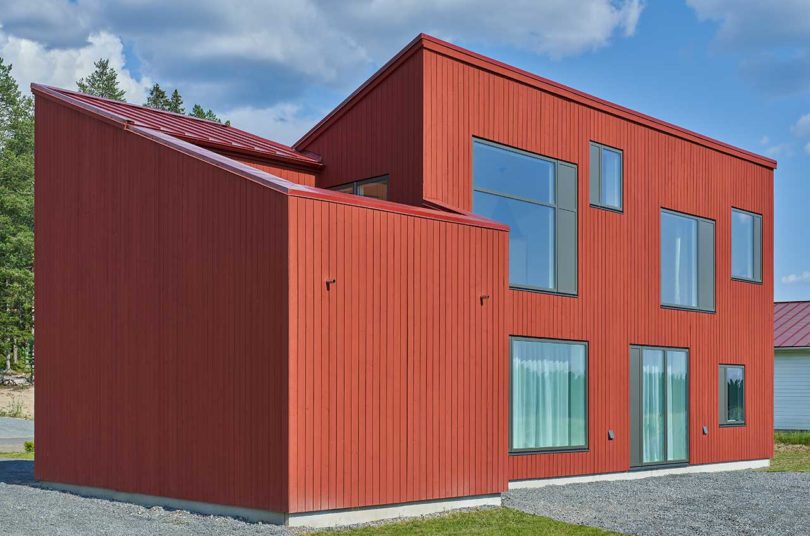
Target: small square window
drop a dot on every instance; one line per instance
(732, 395)
(607, 170)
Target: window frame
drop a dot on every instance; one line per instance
(722, 416)
(698, 219)
(554, 206)
(596, 200)
(636, 386)
(757, 262)
(382, 179)
(550, 450)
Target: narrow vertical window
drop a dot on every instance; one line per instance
(746, 245)
(687, 261)
(537, 198)
(606, 171)
(732, 395)
(549, 395)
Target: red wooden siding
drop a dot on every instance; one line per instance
(299, 176)
(398, 371)
(161, 329)
(618, 302)
(379, 134)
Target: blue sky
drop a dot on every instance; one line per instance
(736, 70)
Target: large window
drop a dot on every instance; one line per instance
(376, 187)
(732, 395)
(746, 245)
(537, 198)
(606, 176)
(548, 395)
(687, 261)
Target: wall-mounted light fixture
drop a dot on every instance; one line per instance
(330, 282)
(484, 297)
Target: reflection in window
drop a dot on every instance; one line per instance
(679, 260)
(376, 188)
(746, 245)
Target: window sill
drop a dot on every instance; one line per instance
(746, 280)
(609, 209)
(688, 309)
(660, 465)
(561, 450)
(543, 291)
(732, 425)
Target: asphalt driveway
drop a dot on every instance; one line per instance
(733, 503)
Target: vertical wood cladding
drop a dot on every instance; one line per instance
(379, 134)
(618, 302)
(161, 288)
(289, 173)
(398, 371)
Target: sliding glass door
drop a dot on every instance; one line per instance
(659, 393)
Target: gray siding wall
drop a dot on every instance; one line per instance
(792, 390)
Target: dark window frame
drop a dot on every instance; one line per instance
(699, 219)
(636, 386)
(382, 179)
(722, 417)
(551, 450)
(595, 183)
(757, 279)
(555, 206)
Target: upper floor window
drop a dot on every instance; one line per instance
(375, 187)
(746, 245)
(606, 176)
(537, 197)
(687, 261)
(732, 395)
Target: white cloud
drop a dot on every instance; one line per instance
(779, 149)
(807, 147)
(764, 140)
(792, 279)
(772, 40)
(802, 126)
(32, 62)
(261, 52)
(283, 122)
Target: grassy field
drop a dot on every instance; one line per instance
(17, 455)
(480, 522)
(791, 452)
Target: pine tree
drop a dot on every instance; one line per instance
(16, 218)
(103, 82)
(201, 113)
(157, 98)
(176, 103)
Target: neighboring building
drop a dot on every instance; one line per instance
(465, 278)
(791, 375)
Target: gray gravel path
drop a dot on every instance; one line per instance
(744, 503)
(733, 503)
(26, 509)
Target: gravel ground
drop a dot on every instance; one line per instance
(26, 509)
(733, 503)
(714, 503)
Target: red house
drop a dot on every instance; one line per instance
(465, 278)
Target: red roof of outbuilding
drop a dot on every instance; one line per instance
(197, 131)
(791, 322)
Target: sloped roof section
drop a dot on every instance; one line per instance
(791, 322)
(201, 132)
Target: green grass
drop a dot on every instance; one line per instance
(791, 452)
(17, 455)
(793, 438)
(493, 521)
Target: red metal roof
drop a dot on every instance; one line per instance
(197, 131)
(791, 322)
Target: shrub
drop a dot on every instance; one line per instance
(29, 446)
(793, 438)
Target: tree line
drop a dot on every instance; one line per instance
(17, 199)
